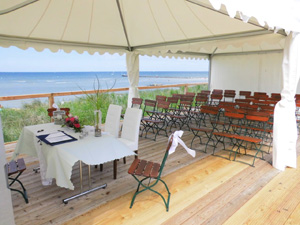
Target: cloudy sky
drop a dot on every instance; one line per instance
(16, 60)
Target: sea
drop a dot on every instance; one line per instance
(22, 83)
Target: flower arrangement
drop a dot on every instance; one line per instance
(73, 122)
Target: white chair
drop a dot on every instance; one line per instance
(131, 128)
(112, 120)
(130, 132)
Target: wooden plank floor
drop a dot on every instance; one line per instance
(204, 190)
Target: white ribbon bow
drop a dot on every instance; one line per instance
(176, 140)
(55, 106)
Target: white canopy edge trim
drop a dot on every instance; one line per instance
(54, 46)
(287, 10)
(178, 55)
(219, 11)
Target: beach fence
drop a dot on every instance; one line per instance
(14, 119)
(51, 96)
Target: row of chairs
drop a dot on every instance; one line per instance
(245, 129)
(165, 113)
(218, 95)
(180, 110)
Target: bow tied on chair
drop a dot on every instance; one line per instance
(176, 140)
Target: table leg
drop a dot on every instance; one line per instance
(66, 200)
(83, 193)
(90, 183)
(80, 172)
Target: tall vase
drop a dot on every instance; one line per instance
(98, 122)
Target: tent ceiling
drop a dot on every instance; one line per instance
(150, 27)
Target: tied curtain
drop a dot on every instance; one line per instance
(285, 127)
(132, 63)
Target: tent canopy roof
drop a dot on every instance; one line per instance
(186, 28)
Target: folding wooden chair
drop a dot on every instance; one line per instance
(195, 112)
(150, 170)
(135, 103)
(199, 130)
(246, 138)
(16, 167)
(173, 104)
(217, 91)
(157, 121)
(229, 94)
(233, 120)
(181, 116)
(160, 98)
(215, 99)
(244, 94)
(51, 110)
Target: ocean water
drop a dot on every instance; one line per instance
(21, 83)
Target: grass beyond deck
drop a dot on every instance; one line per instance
(204, 190)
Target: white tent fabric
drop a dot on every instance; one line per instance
(152, 27)
(6, 209)
(285, 128)
(275, 14)
(262, 72)
(133, 73)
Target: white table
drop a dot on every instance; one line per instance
(59, 159)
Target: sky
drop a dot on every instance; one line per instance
(13, 59)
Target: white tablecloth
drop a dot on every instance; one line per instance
(59, 159)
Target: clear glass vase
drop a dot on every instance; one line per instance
(98, 122)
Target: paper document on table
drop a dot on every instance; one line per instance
(57, 137)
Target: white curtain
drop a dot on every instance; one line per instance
(285, 127)
(249, 72)
(132, 63)
(6, 208)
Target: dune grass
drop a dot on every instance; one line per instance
(13, 120)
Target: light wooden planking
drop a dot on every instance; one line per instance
(270, 205)
(225, 199)
(294, 218)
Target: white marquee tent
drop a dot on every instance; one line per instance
(252, 45)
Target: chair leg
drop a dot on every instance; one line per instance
(23, 193)
(138, 191)
(136, 156)
(115, 168)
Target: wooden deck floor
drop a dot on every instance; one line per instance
(204, 190)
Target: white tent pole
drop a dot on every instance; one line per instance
(209, 72)
(210, 67)
(285, 127)
(17, 6)
(133, 73)
(6, 209)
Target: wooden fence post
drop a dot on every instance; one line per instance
(185, 89)
(51, 100)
